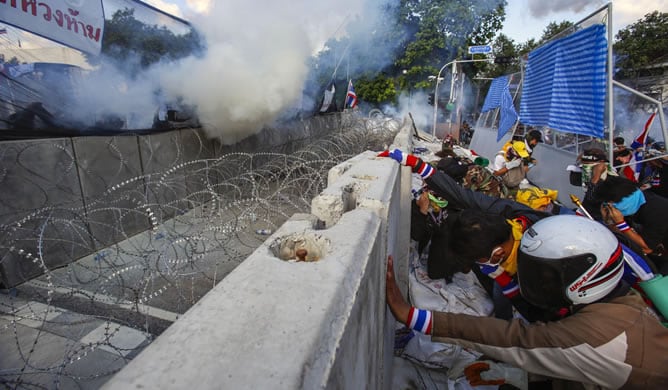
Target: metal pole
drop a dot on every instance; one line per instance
(611, 99)
(438, 77)
(659, 105)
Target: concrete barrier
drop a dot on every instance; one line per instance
(279, 322)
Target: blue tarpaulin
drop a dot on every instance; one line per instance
(499, 96)
(565, 84)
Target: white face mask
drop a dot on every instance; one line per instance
(495, 251)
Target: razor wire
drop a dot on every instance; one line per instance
(198, 220)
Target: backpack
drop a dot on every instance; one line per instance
(480, 179)
(514, 177)
(455, 167)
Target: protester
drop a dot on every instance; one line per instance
(622, 161)
(634, 212)
(611, 339)
(533, 138)
(595, 167)
(480, 225)
(511, 163)
(472, 174)
(429, 230)
(619, 143)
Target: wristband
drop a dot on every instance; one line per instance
(422, 168)
(622, 226)
(419, 320)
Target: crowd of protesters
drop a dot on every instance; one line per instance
(567, 290)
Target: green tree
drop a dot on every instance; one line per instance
(641, 44)
(412, 42)
(556, 30)
(443, 31)
(505, 49)
(378, 89)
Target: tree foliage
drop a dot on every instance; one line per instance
(642, 44)
(411, 42)
(556, 30)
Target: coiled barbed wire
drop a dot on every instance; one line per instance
(157, 242)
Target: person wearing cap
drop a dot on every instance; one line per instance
(533, 138)
(510, 163)
(595, 168)
(609, 339)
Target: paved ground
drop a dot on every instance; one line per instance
(43, 346)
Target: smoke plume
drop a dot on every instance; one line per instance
(255, 64)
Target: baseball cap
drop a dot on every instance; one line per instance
(593, 155)
(521, 149)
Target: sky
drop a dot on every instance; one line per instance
(526, 19)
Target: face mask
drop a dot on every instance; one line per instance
(629, 205)
(440, 203)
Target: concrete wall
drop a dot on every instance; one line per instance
(275, 322)
(56, 203)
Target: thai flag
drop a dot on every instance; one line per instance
(641, 139)
(351, 97)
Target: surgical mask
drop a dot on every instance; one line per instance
(491, 257)
(441, 203)
(630, 205)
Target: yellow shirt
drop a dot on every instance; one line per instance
(510, 263)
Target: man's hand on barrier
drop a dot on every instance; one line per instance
(487, 372)
(420, 167)
(395, 300)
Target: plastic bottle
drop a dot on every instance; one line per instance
(263, 232)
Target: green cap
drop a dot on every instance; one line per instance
(483, 162)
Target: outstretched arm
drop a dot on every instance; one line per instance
(464, 198)
(446, 187)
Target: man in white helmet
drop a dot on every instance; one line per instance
(611, 339)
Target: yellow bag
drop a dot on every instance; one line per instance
(535, 197)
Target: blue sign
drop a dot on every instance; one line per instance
(483, 49)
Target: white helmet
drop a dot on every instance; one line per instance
(567, 260)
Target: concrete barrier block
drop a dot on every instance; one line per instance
(362, 180)
(110, 172)
(273, 323)
(198, 153)
(161, 155)
(42, 218)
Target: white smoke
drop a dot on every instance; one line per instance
(256, 62)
